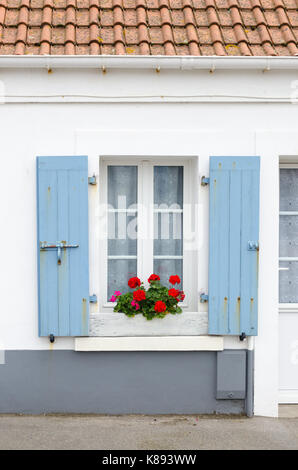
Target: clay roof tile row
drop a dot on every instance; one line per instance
(149, 27)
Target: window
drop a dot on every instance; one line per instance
(148, 224)
(288, 238)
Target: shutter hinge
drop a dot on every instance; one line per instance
(93, 299)
(92, 179)
(204, 298)
(205, 181)
(252, 246)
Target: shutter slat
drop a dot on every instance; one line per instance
(62, 192)
(48, 277)
(235, 247)
(219, 212)
(234, 221)
(249, 259)
(79, 272)
(64, 234)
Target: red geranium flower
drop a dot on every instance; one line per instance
(173, 292)
(134, 282)
(160, 306)
(154, 277)
(139, 295)
(174, 280)
(181, 296)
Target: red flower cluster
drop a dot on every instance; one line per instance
(134, 282)
(181, 296)
(173, 292)
(160, 306)
(174, 279)
(155, 302)
(139, 295)
(154, 277)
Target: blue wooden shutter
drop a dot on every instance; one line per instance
(233, 245)
(63, 273)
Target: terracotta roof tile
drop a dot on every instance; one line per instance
(36, 4)
(149, 27)
(267, 4)
(293, 17)
(224, 18)
(154, 17)
(11, 17)
(201, 18)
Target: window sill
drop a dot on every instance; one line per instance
(151, 343)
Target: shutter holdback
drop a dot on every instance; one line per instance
(52, 338)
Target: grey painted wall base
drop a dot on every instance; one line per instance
(111, 382)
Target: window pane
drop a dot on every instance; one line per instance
(168, 221)
(289, 189)
(122, 186)
(168, 234)
(288, 282)
(119, 271)
(122, 227)
(168, 185)
(166, 268)
(122, 233)
(288, 235)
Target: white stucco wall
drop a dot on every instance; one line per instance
(141, 113)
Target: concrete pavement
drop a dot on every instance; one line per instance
(147, 432)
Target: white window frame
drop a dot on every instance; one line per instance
(102, 322)
(146, 222)
(288, 307)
